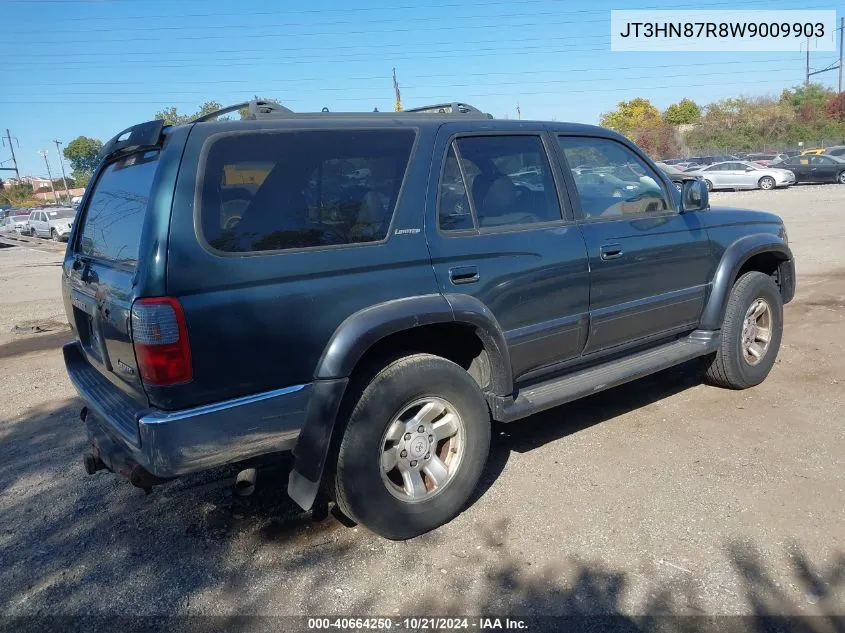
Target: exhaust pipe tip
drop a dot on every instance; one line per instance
(245, 482)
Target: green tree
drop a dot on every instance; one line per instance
(82, 153)
(631, 116)
(244, 112)
(685, 111)
(171, 115)
(808, 102)
(16, 195)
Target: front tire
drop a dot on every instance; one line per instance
(767, 183)
(400, 481)
(751, 333)
(54, 235)
(841, 178)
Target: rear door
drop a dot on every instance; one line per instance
(103, 263)
(800, 166)
(824, 169)
(498, 231)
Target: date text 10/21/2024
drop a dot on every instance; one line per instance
(416, 624)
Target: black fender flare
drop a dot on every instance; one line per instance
(348, 344)
(733, 259)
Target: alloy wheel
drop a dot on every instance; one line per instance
(422, 449)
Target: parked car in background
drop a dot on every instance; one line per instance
(765, 160)
(674, 174)
(836, 150)
(53, 223)
(815, 168)
(14, 224)
(744, 175)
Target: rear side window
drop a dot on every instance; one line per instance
(275, 191)
(111, 226)
(507, 178)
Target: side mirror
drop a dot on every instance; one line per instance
(694, 195)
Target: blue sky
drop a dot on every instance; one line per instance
(94, 67)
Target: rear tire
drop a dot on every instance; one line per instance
(767, 183)
(709, 185)
(841, 178)
(382, 475)
(747, 351)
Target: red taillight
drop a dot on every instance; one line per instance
(161, 341)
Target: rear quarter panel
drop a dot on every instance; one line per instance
(260, 322)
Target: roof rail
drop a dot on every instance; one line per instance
(256, 107)
(449, 108)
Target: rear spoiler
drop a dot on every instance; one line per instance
(142, 136)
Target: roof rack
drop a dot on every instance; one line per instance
(256, 107)
(259, 109)
(449, 108)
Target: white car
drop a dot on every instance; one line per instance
(743, 175)
(14, 224)
(52, 223)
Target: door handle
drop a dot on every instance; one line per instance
(464, 275)
(611, 251)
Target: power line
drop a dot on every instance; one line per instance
(381, 97)
(345, 59)
(418, 87)
(520, 73)
(405, 19)
(128, 40)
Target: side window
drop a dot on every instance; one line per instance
(612, 181)
(454, 213)
(507, 179)
(267, 191)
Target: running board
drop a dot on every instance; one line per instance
(583, 383)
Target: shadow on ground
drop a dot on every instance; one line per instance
(71, 544)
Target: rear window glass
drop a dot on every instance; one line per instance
(275, 191)
(111, 228)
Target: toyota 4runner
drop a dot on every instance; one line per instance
(371, 291)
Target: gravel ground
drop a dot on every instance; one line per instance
(662, 496)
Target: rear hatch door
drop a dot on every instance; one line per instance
(103, 264)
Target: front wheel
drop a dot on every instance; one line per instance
(767, 183)
(841, 178)
(751, 333)
(54, 235)
(414, 447)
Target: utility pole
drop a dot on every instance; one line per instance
(807, 75)
(518, 112)
(62, 163)
(14, 160)
(398, 104)
(43, 152)
(841, 33)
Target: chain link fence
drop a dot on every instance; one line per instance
(769, 148)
